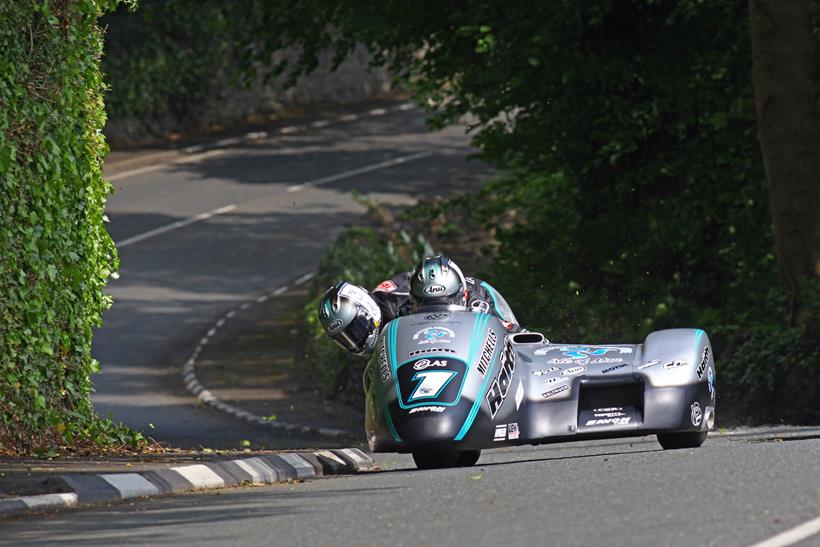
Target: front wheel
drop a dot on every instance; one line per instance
(436, 459)
(689, 439)
(468, 458)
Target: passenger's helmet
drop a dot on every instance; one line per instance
(437, 280)
(350, 317)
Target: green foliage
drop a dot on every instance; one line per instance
(628, 132)
(169, 56)
(55, 254)
(363, 256)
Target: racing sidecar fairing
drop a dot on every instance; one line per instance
(444, 384)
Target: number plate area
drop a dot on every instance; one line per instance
(431, 381)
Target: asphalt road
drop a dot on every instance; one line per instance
(735, 490)
(276, 204)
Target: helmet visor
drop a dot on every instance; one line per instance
(354, 336)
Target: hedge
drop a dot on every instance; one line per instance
(55, 253)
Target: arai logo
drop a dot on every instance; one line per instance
(336, 325)
(431, 290)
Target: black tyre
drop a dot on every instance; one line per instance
(468, 458)
(436, 459)
(689, 439)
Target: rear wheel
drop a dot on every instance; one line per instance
(689, 439)
(468, 458)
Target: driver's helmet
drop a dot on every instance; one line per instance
(437, 280)
(350, 317)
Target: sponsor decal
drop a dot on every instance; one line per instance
(386, 286)
(432, 290)
(487, 352)
(422, 364)
(611, 412)
(612, 369)
(545, 371)
(500, 433)
(581, 352)
(470, 280)
(501, 384)
(703, 363)
(437, 316)
(431, 383)
(651, 363)
(335, 325)
(572, 371)
(434, 335)
(555, 380)
(710, 381)
(431, 350)
(553, 392)
(427, 409)
(384, 367)
(676, 364)
(606, 361)
(609, 421)
(519, 394)
(583, 361)
(512, 431)
(697, 414)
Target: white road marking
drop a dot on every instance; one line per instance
(68, 499)
(174, 225)
(378, 112)
(349, 117)
(255, 135)
(303, 468)
(320, 123)
(158, 166)
(359, 171)
(228, 142)
(200, 476)
(792, 536)
(256, 477)
(303, 279)
(406, 106)
(130, 485)
(291, 129)
(331, 456)
(355, 457)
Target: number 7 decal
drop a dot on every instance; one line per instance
(432, 383)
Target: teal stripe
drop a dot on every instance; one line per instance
(698, 336)
(492, 295)
(468, 423)
(391, 340)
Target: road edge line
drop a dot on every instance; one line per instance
(207, 397)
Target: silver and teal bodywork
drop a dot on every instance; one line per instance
(445, 379)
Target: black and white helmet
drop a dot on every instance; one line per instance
(350, 317)
(437, 280)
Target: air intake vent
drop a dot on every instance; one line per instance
(528, 338)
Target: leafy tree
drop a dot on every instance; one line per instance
(788, 118)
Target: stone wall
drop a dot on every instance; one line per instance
(351, 82)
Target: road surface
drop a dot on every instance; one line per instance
(266, 211)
